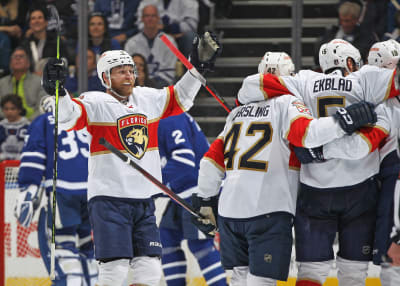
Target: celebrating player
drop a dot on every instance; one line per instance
(335, 180)
(121, 208)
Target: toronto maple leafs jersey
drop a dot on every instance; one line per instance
(182, 144)
(323, 94)
(253, 150)
(131, 128)
(12, 136)
(38, 153)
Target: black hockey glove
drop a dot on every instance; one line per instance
(355, 116)
(208, 208)
(309, 155)
(55, 69)
(204, 52)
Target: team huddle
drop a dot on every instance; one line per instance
(317, 151)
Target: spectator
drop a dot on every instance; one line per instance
(349, 30)
(121, 16)
(42, 43)
(142, 78)
(395, 32)
(160, 60)
(179, 18)
(13, 127)
(12, 21)
(99, 40)
(71, 83)
(23, 83)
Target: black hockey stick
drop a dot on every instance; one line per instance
(151, 178)
(54, 15)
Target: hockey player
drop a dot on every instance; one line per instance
(257, 204)
(121, 208)
(75, 263)
(335, 180)
(182, 144)
(386, 55)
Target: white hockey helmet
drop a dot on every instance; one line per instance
(278, 63)
(335, 53)
(384, 55)
(112, 59)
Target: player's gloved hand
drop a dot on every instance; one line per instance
(355, 116)
(47, 104)
(55, 69)
(204, 52)
(27, 202)
(309, 155)
(208, 209)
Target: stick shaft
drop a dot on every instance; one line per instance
(193, 71)
(151, 178)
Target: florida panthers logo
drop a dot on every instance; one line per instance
(133, 133)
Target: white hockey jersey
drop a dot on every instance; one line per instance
(323, 94)
(253, 150)
(131, 128)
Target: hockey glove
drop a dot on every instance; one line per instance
(355, 116)
(309, 155)
(204, 52)
(208, 209)
(55, 69)
(28, 200)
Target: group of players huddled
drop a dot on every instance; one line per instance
(317, 151)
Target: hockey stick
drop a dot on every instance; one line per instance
(54, 14)
(194, 71)
(154, 180)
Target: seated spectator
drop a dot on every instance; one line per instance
(179, 18)
(71, 83)
(142, 78)
(12, 22)
(160, 60)
(349, 30)
(99, 40)
(395, 33)
(23, 83)
(41, 43)
(13, 127)
(121, 16)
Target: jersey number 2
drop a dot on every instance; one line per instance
(245, 160)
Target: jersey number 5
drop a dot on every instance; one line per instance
(245, 160)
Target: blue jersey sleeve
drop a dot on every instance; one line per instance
(180, 151)
(33, 159)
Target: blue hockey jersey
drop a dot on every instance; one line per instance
(181, 144)
(38, 153)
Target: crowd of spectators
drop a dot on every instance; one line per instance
(28, 36)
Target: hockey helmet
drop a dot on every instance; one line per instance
(335, 54)
(112, 59)
(384, 55)
(278, 63)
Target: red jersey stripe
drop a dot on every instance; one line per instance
(216, 153)
(298, 130)
(374, 136)
(272, 86)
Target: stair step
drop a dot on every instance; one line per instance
(250, 61)
(281, 2)
(265, 40)
(272, 23)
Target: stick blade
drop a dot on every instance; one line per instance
(53, 13)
